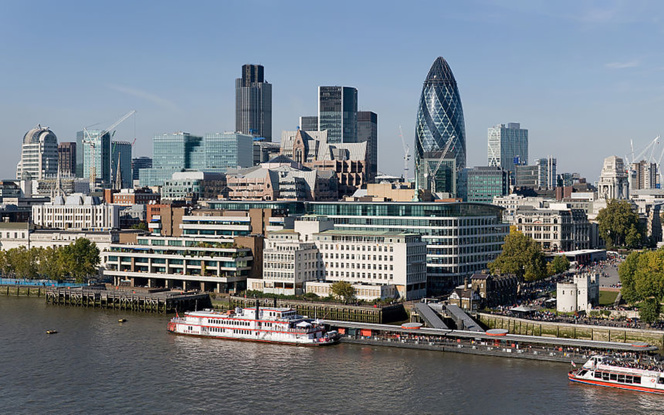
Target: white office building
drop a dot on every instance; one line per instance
(76, 211)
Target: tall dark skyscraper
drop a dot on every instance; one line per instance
(67, 158)
(337, 113)
(367, 130)
(253, 103)
(439, 120)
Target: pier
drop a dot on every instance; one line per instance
(142, 301)
(496, 343)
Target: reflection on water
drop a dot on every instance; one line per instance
(97, 365)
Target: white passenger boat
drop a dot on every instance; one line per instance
(618, 373)
(273, 325)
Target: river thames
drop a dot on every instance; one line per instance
(94, 364)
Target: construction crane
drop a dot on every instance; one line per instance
(87, 139)
(406, 155)
(432, 176)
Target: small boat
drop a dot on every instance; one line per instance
(620, 373)
(51, 331)
(122, 320)
(271, 325)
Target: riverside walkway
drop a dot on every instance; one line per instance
(429, 316)
(492, 343)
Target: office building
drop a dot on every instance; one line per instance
(556, 228)
(461, 238)
(508, 147)
(121, 174)
(139, 163)
(439, 122)
(253, 103)
(367, 131)
(39, 155)
(309, 123)
(546, 172)
(643, 175)
(194, 185)
(93, 156)
(76, 211)
(337, 113)
(67, 159)
(215, 153)
(485, 182)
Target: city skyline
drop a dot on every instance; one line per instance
(581, 76)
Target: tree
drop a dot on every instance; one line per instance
(343, 289)
(649, 310)
(140, 225)
(521, 256)
(81, 259)
(619, 225)
(559, 264)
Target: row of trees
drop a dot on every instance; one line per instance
(78, 260)
(642, 279)
(523, 257)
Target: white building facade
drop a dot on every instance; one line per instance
(76, 211)
(579, 295)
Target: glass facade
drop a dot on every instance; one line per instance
(99, 148)
(122, 155)
(439, 120)
(367, 131)
(181, 151)
(507, 147)
(337, 113)
(484, 183)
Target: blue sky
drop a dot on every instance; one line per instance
(583, 77)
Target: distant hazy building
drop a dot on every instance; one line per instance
(613, 181)
(439, 120)
(643, 175)
(507, 147)
(253, 103)
(367, 131)
(122, 156)
(265, 151)
(486, 182)
(67, 158)
(93, 155)
(139, 163)
(337, 113)
(194, 185)
(227, 150)
(546, 169)
(39, 155)
(309, 123)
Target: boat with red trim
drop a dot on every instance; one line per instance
(620, 373)
(272, 325)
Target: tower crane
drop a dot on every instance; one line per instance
(406, 155)
(87, 139)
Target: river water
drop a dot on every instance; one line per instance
(94, 364)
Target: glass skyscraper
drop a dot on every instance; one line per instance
(507, 147)
(439, 120)
(122, 154)
(253, 103)
(367, 130)
(337, 113)
(93, 155)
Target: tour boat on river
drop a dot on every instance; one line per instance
(623, 374)
(272, 325)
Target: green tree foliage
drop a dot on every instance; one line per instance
(649, 310)
(521, 256)
(344, 290)
(81, 259)
(140, 225)
(619, 225)
(642, 279)
(559, 264)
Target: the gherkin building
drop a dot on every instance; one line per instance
(439, 120)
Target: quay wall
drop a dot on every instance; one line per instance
(22, 291)
(363, 314)
(572, 331)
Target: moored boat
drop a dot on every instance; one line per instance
(619, 373)
(272, 325)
